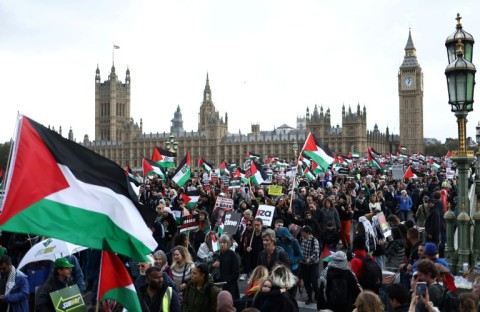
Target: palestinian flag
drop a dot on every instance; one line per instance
(326, 254)
(434, 165)
(190, 198)
(449, 154)
(132, 178)
(374, 162)
(307, 174)
(336, 160)
(258, 175)
(215, 244)
(316, 169)
(224, 168)
(182, 175)
(375, 153)
(82, 192)
(317, 152)
(150, 168)
(402, 148)
(401, 156)
(203, 164)
(115, 283)
(345, 159)
(163, 157)
(239, 173)
(354, 155)
(412, 173)
(252, 156)
(421, 156)
(304, 161)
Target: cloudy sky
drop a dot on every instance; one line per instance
(267, 60)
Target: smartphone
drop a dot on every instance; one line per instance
(421, 289)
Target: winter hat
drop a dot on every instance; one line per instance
(166, 209)
(430, 249)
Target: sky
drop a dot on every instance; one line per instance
(267, 60)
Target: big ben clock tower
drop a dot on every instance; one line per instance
(410, 91)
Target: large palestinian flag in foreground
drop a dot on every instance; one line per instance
(58, 188)
(116, 284)
(317, 152)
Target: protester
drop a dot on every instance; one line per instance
(200, 294)
(368, 301)
(229, 265)
(398, 296)
(338, 285)
(272, 254)
(155, 295)
(14, 288)
(181, 267)
(60, 278)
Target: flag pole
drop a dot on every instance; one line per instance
(98, 286)
(16, 133)
(297, 159)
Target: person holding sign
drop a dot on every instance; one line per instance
(59, 279)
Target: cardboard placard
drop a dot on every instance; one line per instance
(384, 224)
(224, 203)
(397, 172)
(189, 223)
(68, 299)
(231, 222)
(265, 212)
(275, 190)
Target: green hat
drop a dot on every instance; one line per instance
(63, 263)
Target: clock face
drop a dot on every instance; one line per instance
(408, 82)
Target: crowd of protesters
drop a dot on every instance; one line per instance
(323, 234)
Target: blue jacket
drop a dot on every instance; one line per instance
(17, 298)
(405, 203)
(291, 247)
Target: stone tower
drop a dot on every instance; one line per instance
(177, 122)
(211, 125)
(410, 91)
(112, 106)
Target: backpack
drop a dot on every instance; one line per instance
(372, 274)
(337, 290)
(450, 301)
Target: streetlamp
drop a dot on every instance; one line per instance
(171, 144)
(460, 74)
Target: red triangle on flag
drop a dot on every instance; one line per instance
(408, 174)
(33, 160)
(325, 253)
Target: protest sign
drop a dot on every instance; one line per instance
(384, 224)
(68, 299)
(189, 223)
(235, 183)
(265, 213)
(224, 203)
(275, 190)
(397, 172)
(231, 222)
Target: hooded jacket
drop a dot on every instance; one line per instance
(291, 247)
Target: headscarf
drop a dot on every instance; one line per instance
(225, 302)
(339, 261)
(369, 232)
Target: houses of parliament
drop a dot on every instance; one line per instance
(121, 139)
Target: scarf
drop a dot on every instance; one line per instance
(369, 232)
(10, 280)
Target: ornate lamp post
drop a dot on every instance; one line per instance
(172, 146)
(476, 216)
(295, 150)
(461, 82)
